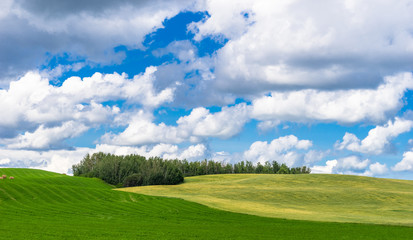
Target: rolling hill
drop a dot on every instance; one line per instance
(43, 205)
(336, 198)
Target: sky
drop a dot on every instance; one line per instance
(326, 84)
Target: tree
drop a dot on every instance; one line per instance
(249, 167)
(228, 168)
(173, 175)
(259, 168)
(275, 166)
(135, 179)
(284, 169)
(267, 167)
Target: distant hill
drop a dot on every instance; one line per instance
(336, 198)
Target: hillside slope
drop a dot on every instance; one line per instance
(43, 205)
(336, 198)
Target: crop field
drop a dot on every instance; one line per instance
(43, 205)
(336, 198)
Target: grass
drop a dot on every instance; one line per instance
(44, 205)
(333, 198)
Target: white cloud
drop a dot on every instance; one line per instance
(224, 124)
(199, 124)
(301, 44)
(52, 160)
(80, 102)
(268, 125)
(342, 106)
(352, 165)
(226, 19)
(406, 164)
(377, 169)
(60, 163)
(194, 152)
(101, 88)
(280, 150)
(141, 130)
(378, 139)
(313, 156)
(4, 161)
(45, 138)
(327, 169)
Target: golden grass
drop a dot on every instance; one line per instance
(337, 198)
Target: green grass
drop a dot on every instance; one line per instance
(44, 205)
(333, 198)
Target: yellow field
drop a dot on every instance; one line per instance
(337, 198)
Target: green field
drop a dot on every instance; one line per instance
(44, 205)
(336, 198)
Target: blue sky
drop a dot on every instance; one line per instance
(327, 85)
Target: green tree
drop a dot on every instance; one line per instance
(259, 168)
(267, 167)
(135, 179)
(249, 167)
(275, 166)
(284, 169)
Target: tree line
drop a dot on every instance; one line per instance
(136, 170)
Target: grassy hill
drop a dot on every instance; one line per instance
(44, 205)
(336, 198)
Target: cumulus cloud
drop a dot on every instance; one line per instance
(86, 29)
(328, 168)
(353, 165)
(198, 125)
(376, 169)
(141, 130)
(99, 87)
(282, 149)
(52, 160)
(342, 106)
(46, 138)
(298, 44)
(4, 161)
(193, 152)
(406, 164)
(378, 139)
(39, 108)
(224, 124)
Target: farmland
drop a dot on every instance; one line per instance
(44, 205)
(336, 198)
